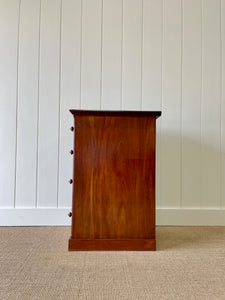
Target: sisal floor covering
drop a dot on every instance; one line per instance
(189, 264)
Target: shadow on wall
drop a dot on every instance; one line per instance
(189, 172)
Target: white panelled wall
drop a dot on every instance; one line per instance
(164, 55)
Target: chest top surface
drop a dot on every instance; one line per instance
(131, 113)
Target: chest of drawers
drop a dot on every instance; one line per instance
(113, 203)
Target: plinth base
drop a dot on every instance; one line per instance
(111, 245)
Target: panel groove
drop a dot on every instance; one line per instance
(59, 103)
(69, 92)
(111, 55)
(27, 104)
(91, 56)
(211, 108)
(191, 94)
(159, 198)
(81, 40)
(162, 53)
(201, 103)
(122, 30)
(101, 60)
(17, 99)
(221, 105)
(142, 41)
(181, 106)
(49, 104)
(132, 55)
(171, 150)
(38, 104)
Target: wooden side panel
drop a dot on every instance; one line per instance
(9, 26)
(211, 89)
(48, 104)
(101, 244)
(114, 179)
(191, 104)
(28, 70)
(69, 92)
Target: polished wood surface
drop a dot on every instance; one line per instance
(113, 182)
(128, 113)
(111, 244)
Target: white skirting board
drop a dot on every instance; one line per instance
(190, 217)
(59, 217)
(35, 217)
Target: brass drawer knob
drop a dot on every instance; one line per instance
(71, 181)
(71, 152)
(70, 214)
(72, 128)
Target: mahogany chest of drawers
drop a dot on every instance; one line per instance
(113, 205)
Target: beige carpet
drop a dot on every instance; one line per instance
(189, 264)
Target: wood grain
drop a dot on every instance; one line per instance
(131, 245)
(114, 179)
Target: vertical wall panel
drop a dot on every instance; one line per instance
(91, 54)
(191, 104)
(27, 103)
(171, 118)
(211, 104)
(9, 23)
(152, 70)
(132, 55)
(151, 63)
(164, 55)
(70, 93)
(49, 104)
(111, 55)
(222, 180)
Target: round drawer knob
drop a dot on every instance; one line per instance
(70, 214)
(72, 128)
(71, 152)
(71, 181)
